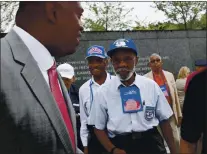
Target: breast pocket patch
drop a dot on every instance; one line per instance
(149, 113)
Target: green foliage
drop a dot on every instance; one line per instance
(139, 26)
(8, 11)
(186, 13)
(181, 16)
(159, 26)
(203, 21)
(197, 24)
(105, 16)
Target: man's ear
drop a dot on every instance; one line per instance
(50, 11)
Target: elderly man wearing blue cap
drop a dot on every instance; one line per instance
(130, 107)
(97, 63)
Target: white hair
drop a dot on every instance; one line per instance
(156, 55)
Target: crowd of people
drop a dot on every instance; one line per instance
(43, 112)
(174, 92)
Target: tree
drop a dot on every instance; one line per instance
(158, 26)
(182, 12)
(105, 16)
(8, 11)
(203, 21)
(139, 26)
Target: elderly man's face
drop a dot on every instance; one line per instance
(124, 61)
(67, 27)
(155, 63)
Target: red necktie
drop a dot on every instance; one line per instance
(55, 88)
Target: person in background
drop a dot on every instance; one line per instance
(180, 84)
(68, 75)
(37, 116)
(200, 65)
(130, 107)
(166, 82)
(194, 121)
(97, 63)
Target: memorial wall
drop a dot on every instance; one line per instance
(177, 49)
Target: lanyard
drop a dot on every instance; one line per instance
(162, 76)
(91, 91)
(91, 97)
(165, 81)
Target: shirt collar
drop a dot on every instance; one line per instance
(41, 55)
(136, 82)
(107, 79)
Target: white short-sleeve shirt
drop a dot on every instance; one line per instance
(109, 113)
(86, 96)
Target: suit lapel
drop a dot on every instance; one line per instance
(150, 75)
(171, 91)
(34, 79)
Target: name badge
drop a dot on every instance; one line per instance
(164, 90)
(149, 113)
(131, 99)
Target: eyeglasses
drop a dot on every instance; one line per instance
(126, 60)
(155, 60)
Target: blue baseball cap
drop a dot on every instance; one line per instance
(97, 51)
(201, 62)
(122, 44)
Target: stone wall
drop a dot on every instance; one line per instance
(177, 48)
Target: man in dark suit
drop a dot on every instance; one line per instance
(37, 116)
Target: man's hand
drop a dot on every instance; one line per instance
(119, 151)
(85, 150)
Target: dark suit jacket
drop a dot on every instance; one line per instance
(30, 121)
(74, 96)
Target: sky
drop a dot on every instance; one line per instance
(143, 11)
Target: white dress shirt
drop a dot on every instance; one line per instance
(41, 55)
(86, 96)
(109, 113)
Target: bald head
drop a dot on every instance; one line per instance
(56, 25)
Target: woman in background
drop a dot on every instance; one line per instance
(180, 83)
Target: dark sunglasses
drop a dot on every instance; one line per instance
(156, 60)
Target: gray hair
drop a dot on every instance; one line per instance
(156, 55)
